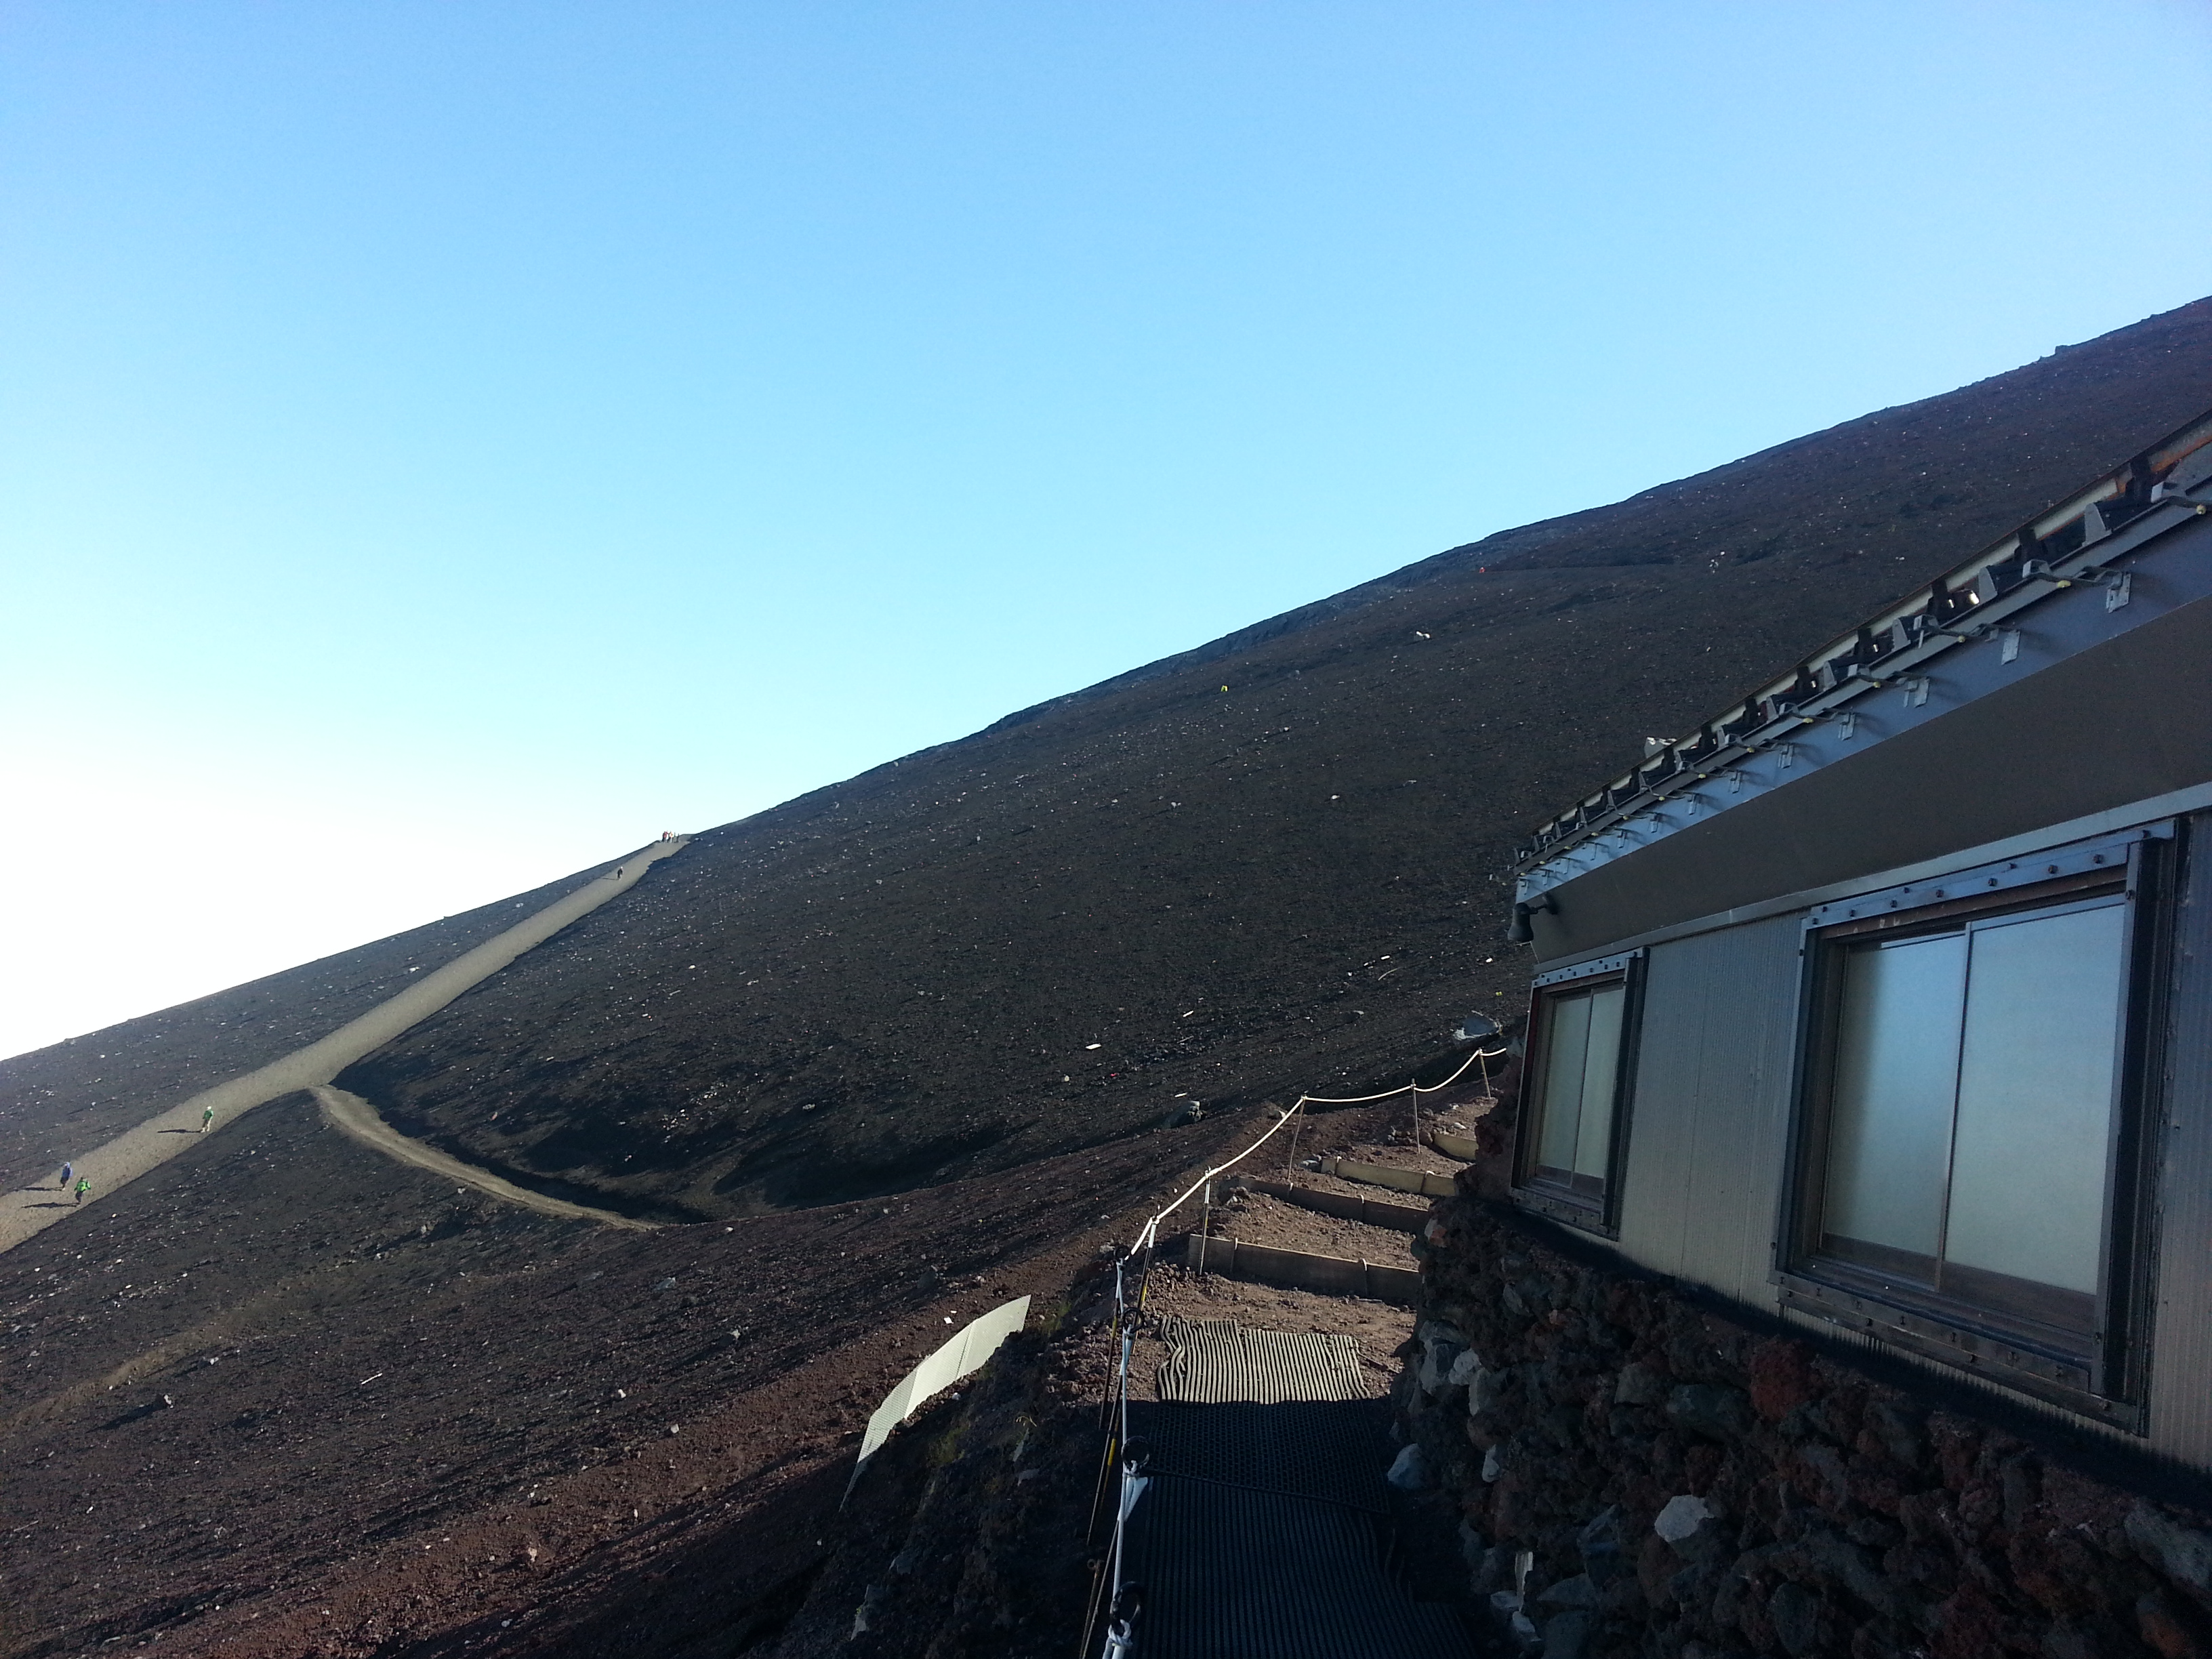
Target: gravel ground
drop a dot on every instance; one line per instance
(1261, 1219)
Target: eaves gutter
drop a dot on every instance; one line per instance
(1761, 744)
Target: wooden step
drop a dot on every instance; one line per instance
(1381, 1175)
(1333, 1275)
(1465, 1148)
(1375, 1212)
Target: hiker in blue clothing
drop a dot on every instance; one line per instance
(68, 1169)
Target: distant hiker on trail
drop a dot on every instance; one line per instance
(83, 1185)
(68, 1169)
(665, 835)
(207, 1117)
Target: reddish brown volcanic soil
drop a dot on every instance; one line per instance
(282, 1373)
(848, 1044)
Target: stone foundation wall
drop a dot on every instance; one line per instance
(1638, 1474)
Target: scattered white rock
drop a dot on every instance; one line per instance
(1682, 1517)
(1441, 1348)
(1483, 1389)
(1409, 1470)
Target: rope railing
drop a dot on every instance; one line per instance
(1122, 1609)
(1150, 1228)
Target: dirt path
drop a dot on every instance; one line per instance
(358, 1118)
(122, 1160)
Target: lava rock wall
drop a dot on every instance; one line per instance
(1639, 1474)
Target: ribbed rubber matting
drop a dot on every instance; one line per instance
(1262, 1532)
(1333, 1450)
(1216, 1361)
(1235, 1574)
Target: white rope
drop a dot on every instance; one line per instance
(1416, 1087)
(1150, 1228)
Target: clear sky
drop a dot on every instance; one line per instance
(443, 445)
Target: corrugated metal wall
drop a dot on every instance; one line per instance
(1709, 1124)
(1709, 1137)
(2181, 1351)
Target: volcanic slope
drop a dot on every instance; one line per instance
(54, 1103)
(286, 1395)
(1041, 937)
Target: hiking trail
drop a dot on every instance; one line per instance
(356, 1118)
(122, 1160)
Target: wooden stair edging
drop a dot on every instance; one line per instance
(1375, 1211)
(1465, 1148)
(1333, 1275)
(1381, 1175)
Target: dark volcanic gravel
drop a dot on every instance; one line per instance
(852, 1038)
(1036, 938)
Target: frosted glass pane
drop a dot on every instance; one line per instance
(1897, 1061)
(1600, 1072)
(1566, 1050)
(2035, 1098)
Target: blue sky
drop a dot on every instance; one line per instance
(444, 445)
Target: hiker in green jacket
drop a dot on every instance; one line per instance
(83, 1185)
(207, 1117)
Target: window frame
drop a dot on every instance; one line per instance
(1599, 1213)
(2103, 1377)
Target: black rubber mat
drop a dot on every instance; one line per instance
(1233, 1573)
(1262, 1532)
(1333, 1450)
